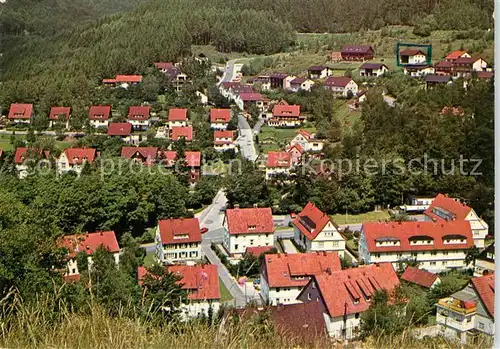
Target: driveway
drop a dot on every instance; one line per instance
(245, 140)
(288, 246)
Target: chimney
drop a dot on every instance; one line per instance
(236, 205)
(255, 205)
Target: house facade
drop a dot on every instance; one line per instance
(412, 57)
(278, 163)
(219, 118)
(296, 153)
(285, 115)
(436, 247)
(373, 69)
(417, 71)
(74, 159)
(177, 117)
(314, 231)
(224, 140)
(99, 116)
(283, 276)
(341, 86)
(124, 130)
(138, 116)
(59, 115)
(21, 113)
(26, 159)
(307, 141)
(301, 84)
(247, 227)
(318, 72)
(178, 240)
(357, 53)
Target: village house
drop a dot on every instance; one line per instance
(296, 153)
(468, 312)
(262, 82)
(444, 68)
(192, 161)
(143, 155)
(318, 72)
(219, 118)
(244, 100)
(283, 276)
(279, 163)
(74, 159)
(433, 80)
(138, 116)
(237, 89)
(373, 69)
(346, 294)
(225, 89)
(178, 240)
(202, 285)
(99, 115)
(464, 66)
(173, 73)
(26, 159)
(357, 53)
(285, 115)
(224, 140)
(315, 231)
(59, 115)
(21, 113)
(485, 263)
(420, 277)
(418, 70)
(277, 80)
(301, 84)
(341, 86)
(412, 57)
(87, 244)
(247, 227)
(185, 132)
(164, 67)
(454, 55)
(444, 208)
(437, 247)
(307, 141)
(123, 81)
(177, 117)
(124, 131)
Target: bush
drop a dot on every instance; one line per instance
(422, 30)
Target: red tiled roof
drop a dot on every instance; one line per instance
(311, 217)
(457, 111)
(164, 65)
(455, 55)
(278, 159)
(419, 276)
(72, 278)
(99, 112)
(457, 209)
(286, 110)
(172, 229)
(485, 288)
(58, 113)
(21, 153)
(339, 81)
(177, 114)
(200, 281)
(411, 52)
(193, 158)
(295, 146)
(148, 153)
(220, 115)
(306, 134)
(119, 129)
(20, 111)
(229, 84)
(406, 231)
(239, 89)
(223, 134)
(89, 243)
(139, 112)
(357, 49)
(292, 270)
(182, 131)
(372, 66)
(258, 250)
(444, 64)
(77, 156)
(124, 79)
(248, 97)
(240, 221)
(339, 290)
(466, 60)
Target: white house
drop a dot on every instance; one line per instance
(341, 86)
(247, 227)
(59, 115)
(244, 100)
(283, 276)
(178, 240)
(436, 247)
(314, 231)
(307, 141)
(26, 159)
(138, 116)
(373, 69)
(219, 118)
(177, 117)
(300, 84)
(202, 285)
(278, 163)
(417, 71)
(124, 130)
(285, 115)
(412, 56)
(469, 311)
(318, 72)
(346, 294)
(99, 115)
(485, 263)
(21, 113)
(74, 159)
(444, 208)
(224, 140)
(88, 244)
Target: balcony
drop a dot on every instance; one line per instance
(457, 306)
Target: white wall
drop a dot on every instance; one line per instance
(238, 243)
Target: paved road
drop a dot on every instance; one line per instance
(257, 126)
(245, 140)
(229, 73)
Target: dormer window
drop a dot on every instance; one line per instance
(356, 300)
(251, 227)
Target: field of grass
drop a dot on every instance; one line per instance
(271, 138)
(5, 141)
(225, 296)
(360, 218)
(150, 259)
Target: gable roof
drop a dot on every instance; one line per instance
(20, 111)
(279, 159)
(311, 221)
(338, 81)
(124, 79)
(220, 115)
(56, 113)
(177, 114)
(444, 64)
(317, 68)
(372, 66)
(179, 230)
(249, 97)
(292, 270)
(297, 146)
(193, 158)
(148, 153)
(89, 243)
(182, 131)
(407, 232)
(437, 78)
(357, 49)
(119, 129)
(240, 221)
(455, 55)
(77, 156)
(99, 112)
(298, 81)
(450, 206)
(139, 112)
(21, 152)
(419, 276)
(286, 110)
(164, 65)
(485, 288)
(466, 60)
(339, 289)
(412, 52)
(306, 134)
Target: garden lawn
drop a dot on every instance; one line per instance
(225, 296)
(340, 218)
